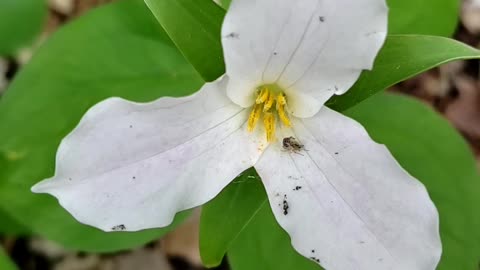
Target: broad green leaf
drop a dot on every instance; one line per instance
(402, 57)
(424, 17)
(263, 244)
(194, 26)
(20, 22)
(423, 142)
(9, 226)
(246, 192)
(5, 262)
(116, 50)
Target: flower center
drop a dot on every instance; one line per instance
(270, 102)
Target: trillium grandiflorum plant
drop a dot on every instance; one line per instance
(343, 199)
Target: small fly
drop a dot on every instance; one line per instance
(291, 144)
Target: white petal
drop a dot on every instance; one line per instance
(315, 46)
(131, 166)
(242, 86)
(350, 204)
(303, 105)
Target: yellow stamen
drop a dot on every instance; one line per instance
(269, 123)
(254, 116)
(283, 116)
(262, 96)
(281, 100)
(269, 102)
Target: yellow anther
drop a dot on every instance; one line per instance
(281, 100)
(283, 115)
(262, 96)
(269, 103)
(269, 123)
(254, 116)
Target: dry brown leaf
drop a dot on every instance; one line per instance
(464, 112)
(470, 16)
(183, 242)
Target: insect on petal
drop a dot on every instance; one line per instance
(346, 203)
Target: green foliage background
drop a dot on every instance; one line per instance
(123, 50)
(20, 22)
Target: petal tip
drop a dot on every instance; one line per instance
(45, 186)
(40, 187)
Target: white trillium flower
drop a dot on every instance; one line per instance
(343, 199)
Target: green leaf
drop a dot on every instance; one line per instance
(425, 145)
(265, 245)
(246, 192)
(5, 262)
(424, 17)
(9, 226)
(20, 22)
(403, 57)
(116, 50)
(195, 27)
